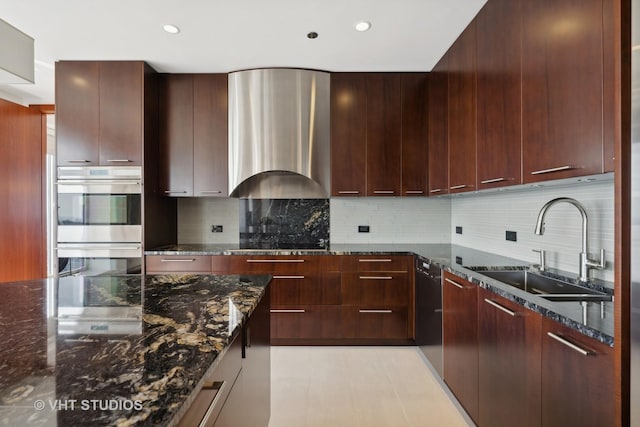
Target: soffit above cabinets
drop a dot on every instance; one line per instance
(216, 37)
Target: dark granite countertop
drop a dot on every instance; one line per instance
(143, 370)
(460, 261)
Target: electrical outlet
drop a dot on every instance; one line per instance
(458, 230)
(363, 229)
(459, 260)
(216, 229)
(511, 236)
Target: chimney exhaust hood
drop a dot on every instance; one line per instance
(279, 134)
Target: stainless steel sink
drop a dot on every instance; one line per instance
(546, 287)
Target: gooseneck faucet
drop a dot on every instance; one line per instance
(585, 262)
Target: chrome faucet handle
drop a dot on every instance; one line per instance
(543, 259)
(599, 264)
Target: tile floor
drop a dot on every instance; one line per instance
(357, 387)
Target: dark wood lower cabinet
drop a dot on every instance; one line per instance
(509, 362)
(305, 324)
(388, 323)
(577, 378)
(460, 341)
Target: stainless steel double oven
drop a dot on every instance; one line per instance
(99, 220)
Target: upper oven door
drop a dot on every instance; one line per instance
(104, 209)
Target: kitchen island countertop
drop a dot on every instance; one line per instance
(146, 376)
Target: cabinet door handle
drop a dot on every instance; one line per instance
(348, 192)
(458, 187)
(175, 192)
(383, 192)
(414, 192)
(178, 260)
(288, 311)
(219, 386)
(558, 169)
(78, 161)
(275, 260)
(491, 181)
(456, 284)
(376, 311)
(571, 345)
(435, 190)
(500, 307)
(376, 260)
(211, 192)
(288, 277)
(375, 277)
(119, 161)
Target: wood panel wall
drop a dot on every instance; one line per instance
(22, 206)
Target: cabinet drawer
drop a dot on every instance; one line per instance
(285, 264)
(377, 263)
(178, 264)
(297, 289)
(209, 401)
(375, 323)
(378, 288)
(304, 322)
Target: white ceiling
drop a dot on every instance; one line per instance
(223, 36)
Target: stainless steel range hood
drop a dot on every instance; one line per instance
(279, 134)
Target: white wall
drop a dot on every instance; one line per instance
(391, 220)
(197, 215)
(485, 218)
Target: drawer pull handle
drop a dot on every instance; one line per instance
(435, 190)
(218, 386)
(558, 169)
(78, 161)
(375, 277)
(491, 181)
(211, 192)
(119, 161)
(288, 277)
(288, 311)
(376, 311)
(456, 284)
(414, 192)
(458, 187)
(383, 192)
(175, 192)
(376, 260)
(500, 307)
(275, 260)
(569, 344)
(348, 192)
(178, 260)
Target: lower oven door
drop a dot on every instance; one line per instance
(92, 259)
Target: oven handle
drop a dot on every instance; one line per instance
(100, 248)
(97, 182)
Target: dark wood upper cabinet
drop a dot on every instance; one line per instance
(462, 111)
(121, 112)
(77, 113)
(499, 100)
(562, 88)
(438, 129)
(509, 362)
(384, 133)
(460, 341)
(348, 134)
(100, 112)
(210, 135)
(415, 134)
(176, 135)
(193, 135)
(578, 384)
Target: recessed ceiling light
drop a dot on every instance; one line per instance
(363, 26)
(171, 29)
